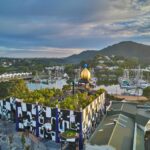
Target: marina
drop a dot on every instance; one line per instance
(132, 81)
(56, 84)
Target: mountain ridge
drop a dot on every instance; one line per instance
(127, 49)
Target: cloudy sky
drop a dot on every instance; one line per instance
(58, 28)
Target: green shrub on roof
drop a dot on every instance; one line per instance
(52, 97)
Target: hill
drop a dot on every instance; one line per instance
(85, 55)
(126, 49)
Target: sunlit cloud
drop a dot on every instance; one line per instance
(48, 52)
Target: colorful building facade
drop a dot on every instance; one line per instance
(49, 123)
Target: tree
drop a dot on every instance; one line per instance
(130, 63)
(146, 92)
(19, 89)
(16, 88)
(66, 87)
(100, 91)
(5, 89)
(69, 69)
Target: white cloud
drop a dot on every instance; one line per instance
(67, 26)
(48, 52)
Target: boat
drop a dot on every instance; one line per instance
(36, 79)
(44, 81)
(133, 83)
(142, 84)
(126, 83)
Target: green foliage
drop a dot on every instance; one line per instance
(69, 103)
(100, 91)
(66, 88)
(130, 63)
(43, 96)
(14, 88)
(69, 134)
(69, 69)
(3, 70)
(5, 89)
(146, 92)
(79, 100)
(48, 97)
(27, 147)
(106, 82)
(23, 140)
(18, 89)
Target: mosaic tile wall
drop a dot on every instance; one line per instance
(46, 122)
(7, 108)
(92, 114)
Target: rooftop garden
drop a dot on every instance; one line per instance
(69, 134)
(49, 97)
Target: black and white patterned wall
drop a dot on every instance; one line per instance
(92, 115)
(46, 122)
(7, 108)
(69, 120)
(39, 120)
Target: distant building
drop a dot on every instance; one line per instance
(112, 68)
(107, 57)
(101, 61)
(120, 61)
(23, 75)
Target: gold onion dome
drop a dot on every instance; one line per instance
(85, 74)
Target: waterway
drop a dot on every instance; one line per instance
(116, 89)
(111, 89)
(57, 84)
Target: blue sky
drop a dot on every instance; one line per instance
(58, 28)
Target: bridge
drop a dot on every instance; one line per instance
(7, 77)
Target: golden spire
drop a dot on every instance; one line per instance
(85, 74)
